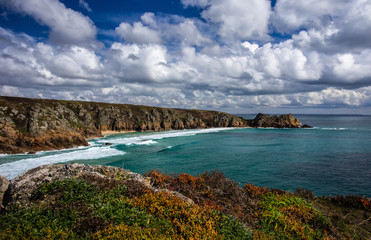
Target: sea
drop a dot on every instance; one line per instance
(332, 158)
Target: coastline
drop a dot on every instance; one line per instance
(111, 132)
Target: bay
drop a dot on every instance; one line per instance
(333, 158)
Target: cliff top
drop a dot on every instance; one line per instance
(77, 201)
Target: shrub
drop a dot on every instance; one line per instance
(287, 216)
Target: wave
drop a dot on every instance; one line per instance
(13, 169)
(148, 139)
(91, 144)
(328, 128)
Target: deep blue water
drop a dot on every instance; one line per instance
(334, 158)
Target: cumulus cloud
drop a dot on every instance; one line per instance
(165, 30)
(223, 61)
(27, 62)
(144, 64)
(67, 26)
(348, 21)
(242, 19)
(137, 33)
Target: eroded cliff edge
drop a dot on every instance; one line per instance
(37, 124)
(30, 125)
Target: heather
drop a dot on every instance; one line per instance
(114, 204)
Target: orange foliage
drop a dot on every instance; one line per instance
(189, 221)
(255, 191)
(366, 203)
(158, 178)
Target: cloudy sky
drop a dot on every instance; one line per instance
(239, 56)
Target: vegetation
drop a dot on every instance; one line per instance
(92, 208)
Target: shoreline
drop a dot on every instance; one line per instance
(111, 132)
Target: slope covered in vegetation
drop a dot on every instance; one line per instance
(100, 202)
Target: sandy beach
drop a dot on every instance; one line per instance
(109, 132)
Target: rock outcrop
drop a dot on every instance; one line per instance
(30, 125)
(282, 121)
(22, 188)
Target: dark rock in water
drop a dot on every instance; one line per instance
(4, 183)
(31, 152)
(108, 144)
(282, 121)
(306, 126)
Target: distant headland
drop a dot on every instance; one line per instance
(31, 125)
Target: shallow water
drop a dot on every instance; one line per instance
(334, 158)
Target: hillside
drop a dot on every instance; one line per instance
(76, 201)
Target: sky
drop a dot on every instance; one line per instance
(238, 56)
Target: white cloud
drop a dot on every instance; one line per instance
(238, 19)
(138, 33)
(175, 61)
(144, 63)
(165, 30)
(25, 62)
(348, 21)
(186, 32)
(290, 15)
(352, 67)
(285, 61)
(251, 47)
(85, 5)
(335, 97)
(67, 26)
(195, 3)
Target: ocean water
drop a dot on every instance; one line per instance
(333, 158)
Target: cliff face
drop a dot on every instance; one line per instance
(282, 121)
(30, 125)
(34, 124)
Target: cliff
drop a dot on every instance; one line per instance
(76, 201)
(29, 125)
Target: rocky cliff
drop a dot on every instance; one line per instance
(29, 125)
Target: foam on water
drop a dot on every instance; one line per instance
(330, 128)
(13, 169)
(148, 139)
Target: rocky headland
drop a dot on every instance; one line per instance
(76, 201)
(30, 125)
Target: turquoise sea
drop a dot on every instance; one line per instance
(333, 158)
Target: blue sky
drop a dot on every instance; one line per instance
(239, 56)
